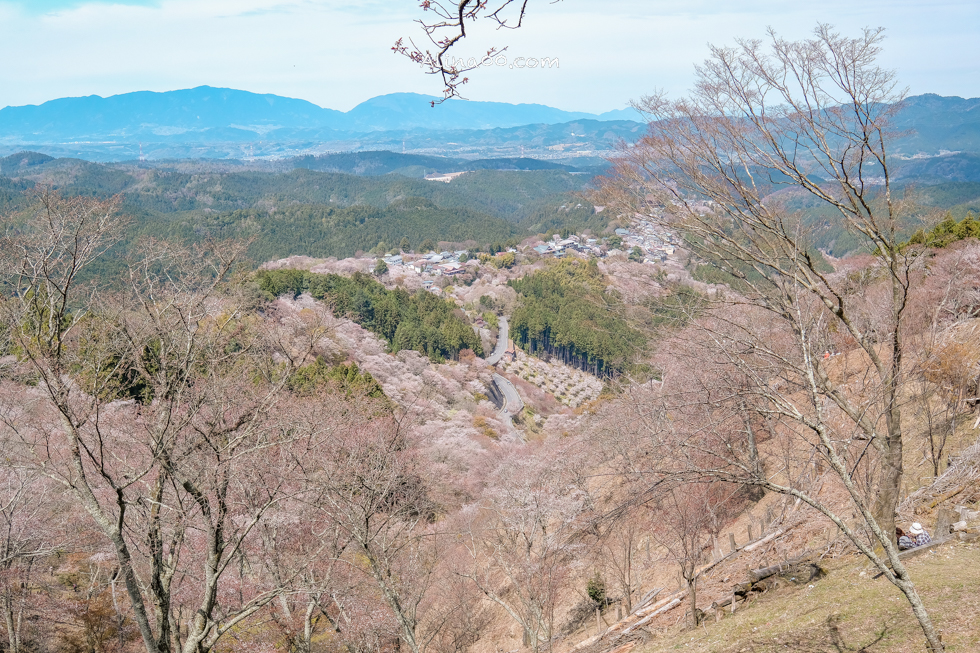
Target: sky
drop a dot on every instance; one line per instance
(338, 53)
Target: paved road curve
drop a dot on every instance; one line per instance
(501, 347)
(513, 404)
(512, 399)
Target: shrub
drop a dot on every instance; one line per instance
(481, 424)
(596, 589)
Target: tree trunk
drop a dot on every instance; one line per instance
(308, 624)
(934, 642)
(890, 478)
(629, 575)
(889, 485)
(12, 618)
(692, 592)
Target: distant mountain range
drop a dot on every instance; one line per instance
(938, 137)
(211, 114)
(933, 123)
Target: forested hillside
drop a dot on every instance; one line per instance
(506, 194)
(566, 312)
(924, 201)
(411, 165)
(286, 211)
(313, 213)
(421, 321)
(322, 231)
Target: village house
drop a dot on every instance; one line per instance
(452, 269)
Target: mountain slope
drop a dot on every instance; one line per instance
(312, 212)
(414, 111)
(205, 109)
(163, 114)
(219, 123)
(938, 123)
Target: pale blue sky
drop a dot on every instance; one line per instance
(46, 6)
(336, 53)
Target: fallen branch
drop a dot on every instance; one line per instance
(948, 495)
(628, 622)
(765, 572)
(768, 538)
(649, 596)
(659, 604)
(647, 619)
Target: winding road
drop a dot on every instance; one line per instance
(513, 403)
(502, 340)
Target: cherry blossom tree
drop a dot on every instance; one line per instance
(810, 115)
(30, 512)
(159, 409)
(520, 538)
(370, 483)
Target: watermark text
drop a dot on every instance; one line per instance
(503, 61)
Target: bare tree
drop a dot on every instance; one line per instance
(812, 116)
(465, 615)
(522, 539)
(29, 514)
(448, 26)
(159, 409)
(617, 552)
(370, 483)
(688, 521)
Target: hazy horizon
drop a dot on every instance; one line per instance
(336, 55)
(224, 88)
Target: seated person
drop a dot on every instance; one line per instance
(919, 534)
(904, 541)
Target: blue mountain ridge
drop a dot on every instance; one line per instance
(187, 112)
(935, 137)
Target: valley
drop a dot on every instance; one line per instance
(484, 386)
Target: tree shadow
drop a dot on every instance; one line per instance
(826, 638)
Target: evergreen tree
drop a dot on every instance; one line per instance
(566, 312)
(420, 321)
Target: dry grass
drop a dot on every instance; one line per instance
(849, 611)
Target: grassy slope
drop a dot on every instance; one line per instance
(850, 611)
(858, 608)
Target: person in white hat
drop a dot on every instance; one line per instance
(904, 540)
(919, 535)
